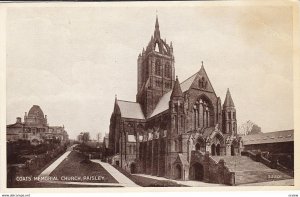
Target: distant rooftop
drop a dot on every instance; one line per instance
(272, 137)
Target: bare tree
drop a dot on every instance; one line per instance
(249, 128)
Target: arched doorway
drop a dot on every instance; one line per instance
(197, 147)
(133, 168)
(201, 144)
(232, 150)
(218, 150)
(213, 149)
(197, 172)
(218, 141)
(178, 172)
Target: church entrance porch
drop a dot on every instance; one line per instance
(217, 145)
(196, 172)
(215, 150)
(178, 172)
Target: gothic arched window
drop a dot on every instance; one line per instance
(167, 70)
(202, 83)
(157, 68)
(176, 123)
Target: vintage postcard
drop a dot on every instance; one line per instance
(133, 95)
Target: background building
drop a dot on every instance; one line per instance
(35, 128)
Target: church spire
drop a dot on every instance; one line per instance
(228, 100)
(156, 32)
(116, 106)
(177, 92)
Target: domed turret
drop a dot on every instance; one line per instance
(36, 111)
(35, 116)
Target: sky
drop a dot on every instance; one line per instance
(71, 61)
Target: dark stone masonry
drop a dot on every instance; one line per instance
(175, 130)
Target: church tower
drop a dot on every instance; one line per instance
(229, 116)
(155, 72)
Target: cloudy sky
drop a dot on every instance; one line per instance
(72, 61)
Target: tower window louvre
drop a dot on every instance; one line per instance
(157, 68)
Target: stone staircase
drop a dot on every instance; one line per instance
(249, 171)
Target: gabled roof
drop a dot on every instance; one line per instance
(181, 159)
(228, 100)
(163, 103)
(130, 109)
(272, 137)
(208, 131)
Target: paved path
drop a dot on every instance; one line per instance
(121, 178)
(187, 183)
(50, 168)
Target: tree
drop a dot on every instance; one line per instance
(249, 128)
(85, 137)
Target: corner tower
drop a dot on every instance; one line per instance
(155, 72)
(229, 115)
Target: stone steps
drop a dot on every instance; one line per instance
(249, 171)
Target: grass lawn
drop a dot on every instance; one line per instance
(77, 165)
(148, 182)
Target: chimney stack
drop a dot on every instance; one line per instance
(19, 120)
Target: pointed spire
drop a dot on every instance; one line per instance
(156, 23)
(228, 100)
(177, 92)
(116, 107)
(156, 32)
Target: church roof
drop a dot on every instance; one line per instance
(130, 109)
(163, 103)
(228, 100)
(176, 92)
(271, 137)
(15, 125)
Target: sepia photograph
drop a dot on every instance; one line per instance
(128, 94)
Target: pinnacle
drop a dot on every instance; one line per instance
(228, 100)
(177, 92)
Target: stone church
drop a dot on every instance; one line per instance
(171, 124)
